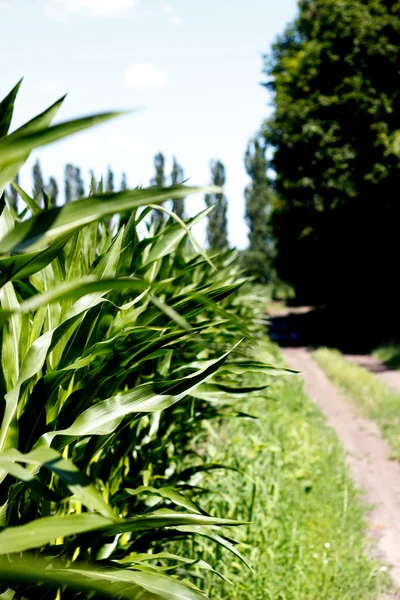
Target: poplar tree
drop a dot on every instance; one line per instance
(258, 197)
(217, 224)
(124, 182)
(69, 182)
(38, 184)
(109, 180)
(159, 179)
(52, 191)
(177, 176)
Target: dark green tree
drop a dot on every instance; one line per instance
(158, 179)
(69, 182)
(109, 180)
(335, 130)
(217, 224)
(79, 184)
(159, 166)
(38, 184)
(124, 182)
(177, 176)
(13, 195)
(52, 191)
(93, 183)
(258, 195)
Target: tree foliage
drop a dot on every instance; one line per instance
(217, 225)
(258, 196)
(110, 180)
(52, 191)
(38, 184)
(158, 179)
(177, 176)
(335, 129)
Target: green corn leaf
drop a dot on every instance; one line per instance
(57, 222)
(19, 144)
(104, 417)
(168, 493)
(44, 531)
(167, 518)
(9, 165)
(21, 266)
(77, 482)
(215, 537)
(168, 240)
(115, 583)
(30, 202)
(7, 109)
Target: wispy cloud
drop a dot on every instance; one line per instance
(175, 20)
(167, 9)
(61, 10)
(145, 75)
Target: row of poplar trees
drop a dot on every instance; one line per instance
(256, 260)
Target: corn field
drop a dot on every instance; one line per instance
(120, 338)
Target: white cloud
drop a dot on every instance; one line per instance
(166, 7)
(175, 20)
(145, 75)
(60, 9)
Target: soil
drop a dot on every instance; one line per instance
(368, 454)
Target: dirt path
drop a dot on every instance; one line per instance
(372, 471)
(388, 376)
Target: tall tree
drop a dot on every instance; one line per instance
(258, 196)
(217, 225)
(69, 182)
(13, 195)
(159, 166)
(158, 179)
(124, 182)
(38, 184)
(110, 180)
(79, 184)
(336, 82)
(177, 176)
(93, 183)
(52, 191)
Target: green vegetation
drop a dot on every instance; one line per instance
(307, 537)
(257, 259)
(117, 343)
(389, 354)
(375, 399)
(335, 135)
(217, 225)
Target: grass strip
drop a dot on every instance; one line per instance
(307, 538)
(389, 354)
(374, 398)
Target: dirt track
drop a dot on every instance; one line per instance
(388, 376)
(373, 472)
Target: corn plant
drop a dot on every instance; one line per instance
(117, 342)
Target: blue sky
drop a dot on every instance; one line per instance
(193, 68)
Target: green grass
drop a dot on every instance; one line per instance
(307, 537)
(389, 354)
(374, 398)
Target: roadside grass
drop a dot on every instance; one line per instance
(307, 537)
(374, 398)
(389, 354)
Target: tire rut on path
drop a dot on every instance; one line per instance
(373, 472)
